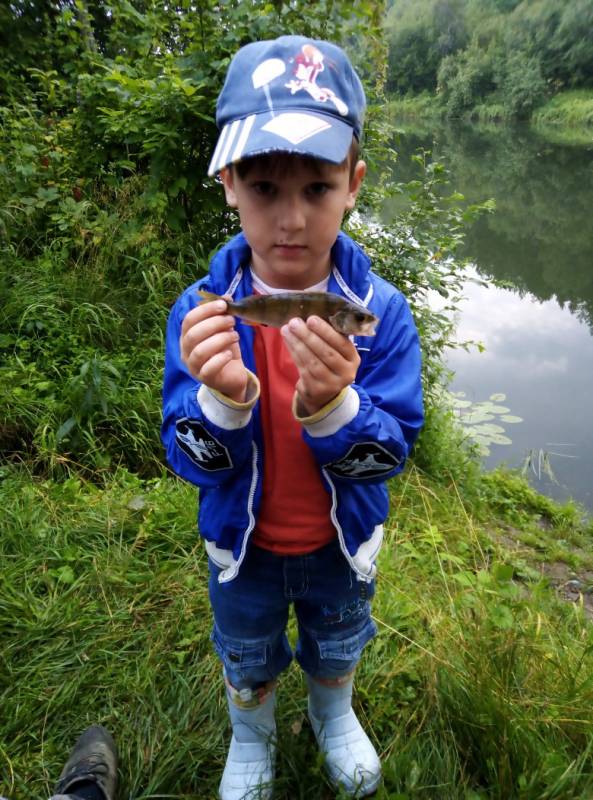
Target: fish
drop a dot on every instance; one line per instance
(276, 310)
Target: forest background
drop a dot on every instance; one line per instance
(493, 59)
(479, 684)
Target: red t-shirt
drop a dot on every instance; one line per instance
(294, 516)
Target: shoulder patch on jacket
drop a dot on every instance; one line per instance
(364, 460)
(200, 446)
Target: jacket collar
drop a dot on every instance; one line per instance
(229, 269)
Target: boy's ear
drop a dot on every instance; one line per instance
(355, 183)
(227, 178)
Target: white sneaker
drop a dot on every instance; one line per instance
(351, 760)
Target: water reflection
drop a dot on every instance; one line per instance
(541, 357)
(539, 347)
(541, 236)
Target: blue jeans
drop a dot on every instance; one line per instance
(251, 612)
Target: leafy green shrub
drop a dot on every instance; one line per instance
(465, 79)
(571, 109)
(81, 363)
(106, 213)
(420, 33)
(523, 86)
(510, 54)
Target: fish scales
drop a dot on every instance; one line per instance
(277, 309)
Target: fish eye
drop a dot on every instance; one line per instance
(360, 316)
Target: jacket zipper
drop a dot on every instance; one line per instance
(251, 525)
(334, 519)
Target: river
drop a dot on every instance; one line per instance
(538, 330)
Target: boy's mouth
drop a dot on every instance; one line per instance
(290, 249)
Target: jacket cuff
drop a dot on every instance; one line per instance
(333, 416)
(224, 412)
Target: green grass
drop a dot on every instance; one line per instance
(428, 107)
(477, 686)
(423, 106)
(567, 117)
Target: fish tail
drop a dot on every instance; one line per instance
(208, 296)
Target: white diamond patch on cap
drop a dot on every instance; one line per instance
(296, 128)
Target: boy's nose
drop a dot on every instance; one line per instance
(292, 216)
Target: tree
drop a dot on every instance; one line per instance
(506, 53)
(420, 33)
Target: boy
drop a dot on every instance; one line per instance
(290, 434)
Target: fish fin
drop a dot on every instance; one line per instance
(254, 324)
(208, 296)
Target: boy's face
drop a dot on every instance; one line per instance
(291, 216)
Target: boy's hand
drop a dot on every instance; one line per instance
(326, 360)
(210, 349)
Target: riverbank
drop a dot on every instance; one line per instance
(476, 683)
(567, 118)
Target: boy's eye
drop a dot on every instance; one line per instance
(263, 188)
(318, 189)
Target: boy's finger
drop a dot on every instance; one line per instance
(317, 328)
(298, 349)
(214, 365)
(307, 360)
(206, 349)
(329, 334)
(335, 351)
(201, 312)
(205, 328)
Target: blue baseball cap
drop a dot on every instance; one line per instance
(290, 95)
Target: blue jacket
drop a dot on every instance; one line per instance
(358, 445)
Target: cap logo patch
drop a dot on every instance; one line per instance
(308, 66)
(201, 447)
(264, 74)
(295, 127)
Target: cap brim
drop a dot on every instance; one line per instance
(299, 132)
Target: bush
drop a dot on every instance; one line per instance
(523, 87)
(105, 209)
(505, 53)
(464, 80)
(419, 253)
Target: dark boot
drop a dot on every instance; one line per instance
(93, 760)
